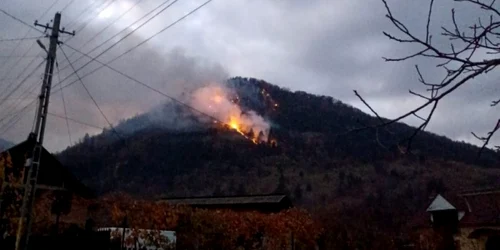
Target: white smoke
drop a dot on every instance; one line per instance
(218, 101)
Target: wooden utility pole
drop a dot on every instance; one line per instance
(25, 220)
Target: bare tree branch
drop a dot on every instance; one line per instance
(428, 35)
(366, 104)
(494, 103)
(482, 5)
(486, 140)
(419, 117)
(419, 95)
(467, 49)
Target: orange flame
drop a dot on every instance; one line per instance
(233, 124)
(223, 105)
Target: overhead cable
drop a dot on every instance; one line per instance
(135, 47)
(90, 95)
(126, 28)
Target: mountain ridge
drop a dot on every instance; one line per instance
(307, 128)
(362, 179)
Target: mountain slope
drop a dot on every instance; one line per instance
(4, 144)
(358, 185)
(170, 151)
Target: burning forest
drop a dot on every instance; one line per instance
(222, 105)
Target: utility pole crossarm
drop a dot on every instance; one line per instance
(47, 27)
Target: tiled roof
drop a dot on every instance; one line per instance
(482, 208)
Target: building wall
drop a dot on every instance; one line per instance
(472, 244)
(465, 243)
(428, 239)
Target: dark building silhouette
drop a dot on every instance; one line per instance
(262, 203)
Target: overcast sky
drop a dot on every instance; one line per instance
(327, 47)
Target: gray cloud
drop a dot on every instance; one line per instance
(323, 47)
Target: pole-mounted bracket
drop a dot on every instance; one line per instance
(47, 27)
(66, 32)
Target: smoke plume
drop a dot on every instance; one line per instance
(220, 102)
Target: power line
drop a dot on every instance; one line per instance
(105, 28)
(12, 110)
(3, 56)
(64, 104)
(21, 99)
(113, 22)
(74, 120)
(19, 60)
(126, 28)
(10, 70)
(9, 115)
(75, 20)
(22, 81)
(86, 23)
(97, 12)
(120, 137)
(148, 86)
(49, 8)
(136, 46)
(13, 99)
(21, 39)
(12, 53)
(21, 21)
(67, 5)
(15, 119)
(90, 95)
(25, 35)
(16, 112)
(18, 43)
(11, 92)
(14, 78)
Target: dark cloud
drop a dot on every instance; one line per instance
(323, 47)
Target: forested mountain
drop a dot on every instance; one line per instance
(310, 131)
(172, 152)
(4, 144)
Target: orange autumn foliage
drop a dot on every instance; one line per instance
(215, 229)
(195, 228)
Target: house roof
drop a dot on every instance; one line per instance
(475, 208)
(227, 200)
(439, 204)
(482, 207)
(52, 174)
(259, 202)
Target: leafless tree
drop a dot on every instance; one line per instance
(461, 61)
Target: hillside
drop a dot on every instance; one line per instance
(310, 131)
(4, 144)
(171, 152)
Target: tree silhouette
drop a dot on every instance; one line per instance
(297, 192)
(218, 191)
(60, 206)
(308, 187)
(241, 189)
(281, 184)
(461, 62)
